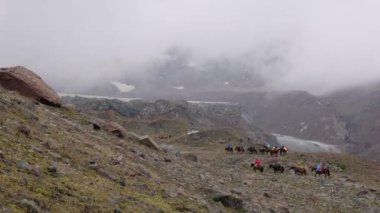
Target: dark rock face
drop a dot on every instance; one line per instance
(295, 113)
(230, 201)
(360, 107)
(28, 84)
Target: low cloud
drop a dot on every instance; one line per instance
(315, 46)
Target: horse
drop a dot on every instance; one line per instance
(274, 151)
(298, 170)
(229, 149)
(263, 150)
(240, 149)
(260, 168)
(283, 151)
(325, 171)
(252, 150)
(277, 168)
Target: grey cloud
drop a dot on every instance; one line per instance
(313, 45)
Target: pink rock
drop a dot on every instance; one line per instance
(28, 84)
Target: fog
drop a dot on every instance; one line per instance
(318, 46)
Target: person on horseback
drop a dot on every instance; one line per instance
(319, 167)
(257, 162)
(229, 146)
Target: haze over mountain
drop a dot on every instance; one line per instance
(317, 47)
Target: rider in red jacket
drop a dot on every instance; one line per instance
(257, 162)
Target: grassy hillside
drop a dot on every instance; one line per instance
(50, 169)
(51, 159)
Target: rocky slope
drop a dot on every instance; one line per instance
(360, 107)
(347, 119)
(56, 160)
(158, 114)
(53, 160)
(296, 113)
(87, 156)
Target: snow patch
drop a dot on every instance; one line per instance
(210, 102)
(302, 145)
(192, 132)
(123, 87)
(179, 87)
(97, 97)
(304, 128)
(320, 104)
(226, 83)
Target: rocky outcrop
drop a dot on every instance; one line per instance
(143, 140)
(28, 84)
(228, 200)
(115, 129)
(147, 141)
(190, 156)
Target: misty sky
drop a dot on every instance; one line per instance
(323, 45)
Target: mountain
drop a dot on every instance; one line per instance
(295, 113)
(92, 156)
(360, 107)
(348, 118)
(192, 115)
(178, 72)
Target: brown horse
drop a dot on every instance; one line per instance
(260, 168)
(264, 150)
(283, 151)
(277, 168)
(252, 150)
(274, 151)
(298, 170)
(229, 150)
(325, 171)
(240, 149)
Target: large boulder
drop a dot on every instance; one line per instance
(115, 129)
(189, 156)
(147, 141)
(28, 84)
(143, 140)
(228, 200)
